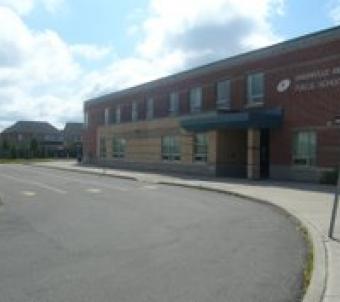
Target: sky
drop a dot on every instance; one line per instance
(55, 54)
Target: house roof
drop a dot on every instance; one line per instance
(73, 128)
(310, 40)
(31, 127)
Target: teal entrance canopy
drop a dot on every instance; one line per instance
(256, 118)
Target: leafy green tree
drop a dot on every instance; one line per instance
(13, 152)
(34, 147)
(5, 145)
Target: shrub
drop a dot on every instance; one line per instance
(330, 177)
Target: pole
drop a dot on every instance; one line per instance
(335, 208)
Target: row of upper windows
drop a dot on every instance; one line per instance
(255, 95)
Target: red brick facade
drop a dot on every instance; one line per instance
(312, 101)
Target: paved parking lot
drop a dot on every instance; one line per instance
(74, 237)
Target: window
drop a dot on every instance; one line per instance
(149, 108)
(102, 147)
(118, 147)
(255, 88)
(171, 148)
(174, 103)
(304, 148)
(106, 116)
(118, 114)
(195, 99)
(201, 147)
(223, 94)
(86, 119)
(134, 111)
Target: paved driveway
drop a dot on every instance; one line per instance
(72, 237)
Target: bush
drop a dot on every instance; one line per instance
(330, 177)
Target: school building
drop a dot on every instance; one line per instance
(273, 112)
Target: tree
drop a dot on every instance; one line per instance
(34, 147)
(13, 152)
(5, 145)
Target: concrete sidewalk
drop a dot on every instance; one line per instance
(309, 203)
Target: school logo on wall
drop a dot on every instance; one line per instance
(283, 85)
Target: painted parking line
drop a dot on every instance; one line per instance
(93, 190)
(82, 181)
(150, 187)
(34, 183)
(28, 193)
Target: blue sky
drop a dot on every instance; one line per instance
(57, 53)
(105, 22)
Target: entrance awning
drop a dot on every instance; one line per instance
(259, 118)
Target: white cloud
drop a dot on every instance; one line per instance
(41, 77)
(52, 5)
(90, 52)
(210, 29)
(36, 69)
(335, 11)
(24, 7)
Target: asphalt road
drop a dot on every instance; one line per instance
(74, 237)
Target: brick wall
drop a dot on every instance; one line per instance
(302, 109)
(144, 146)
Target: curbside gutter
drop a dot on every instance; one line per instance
(317, 285)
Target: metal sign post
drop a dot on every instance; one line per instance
(335, 208)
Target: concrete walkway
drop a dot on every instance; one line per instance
(311, 204)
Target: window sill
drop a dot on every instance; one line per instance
(195, 112)
(171, 160)
(200, 162)
(254, 105)
(225, 107)
(304, 168)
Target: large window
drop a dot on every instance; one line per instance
(134, 112)
(173, 103)
(223, 94)
(171, 148)
(86, 119)
(118, 147)
(304, 148)
(255, 88)
(102, 147)
(201, 147)
(149, 108)
(195, 99)
(118, 114)
(107, 116)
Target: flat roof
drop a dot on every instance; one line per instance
(301, 42)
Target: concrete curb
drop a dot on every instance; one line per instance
(317, 286)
